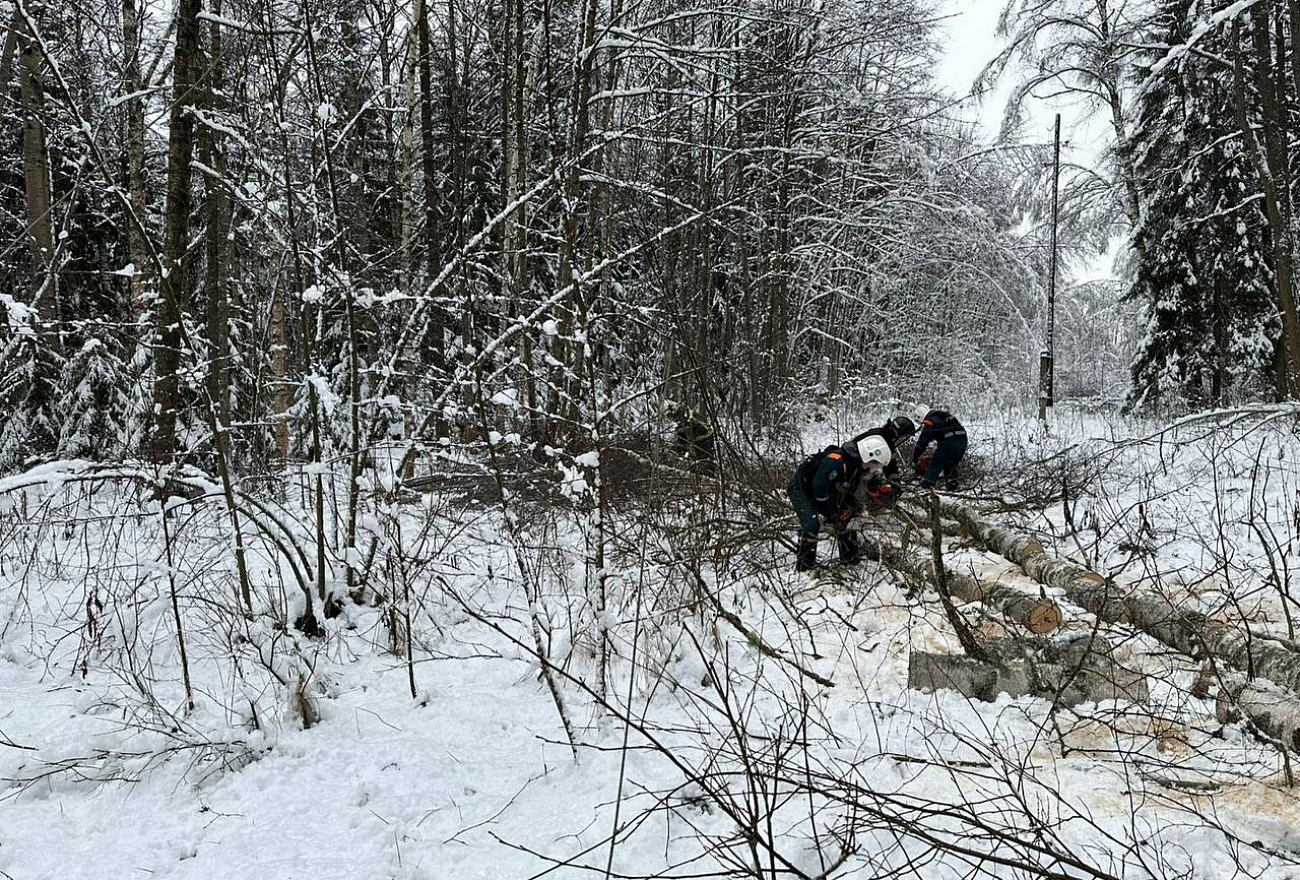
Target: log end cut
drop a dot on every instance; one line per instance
(1044, 617)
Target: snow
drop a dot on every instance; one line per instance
(1201, 29)
(472, 777)
(19, 314)
(208, 16)
(507, 397)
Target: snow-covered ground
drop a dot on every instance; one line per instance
(700, 753)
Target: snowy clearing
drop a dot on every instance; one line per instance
(698, 752)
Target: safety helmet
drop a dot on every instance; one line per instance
(903, 426)
(873, 451)
(921, 412)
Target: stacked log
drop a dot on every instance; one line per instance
(1243, 656)
(1037, 614)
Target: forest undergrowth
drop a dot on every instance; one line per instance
(538, 664)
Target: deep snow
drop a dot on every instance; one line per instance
(474, 777)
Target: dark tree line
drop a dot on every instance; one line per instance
(261, 230)
(1213, 151)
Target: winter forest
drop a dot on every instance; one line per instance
(649, 439)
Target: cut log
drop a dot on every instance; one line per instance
(1040, 616)
(1189, 632)
(1274, 710)
(1068, 672)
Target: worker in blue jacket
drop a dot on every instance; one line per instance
(942, 429)
(893, 432)
(824, 489)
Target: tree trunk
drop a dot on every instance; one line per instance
(180, 153)
(1070, 671)
(1271, 164)
(136, 181)
(433, 255)
(1189, 632)
(1273, 710)
(1040, 616)
(1294, 8)
(218, 220)
(432, 229)
(7, 56)
(406, 168)
(283, 395)
(36, 178)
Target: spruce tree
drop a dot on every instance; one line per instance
(1201, 274)
(94, 407)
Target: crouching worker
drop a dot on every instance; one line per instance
(824, 489)
(693, 436)
(949, 438)
(893, 432)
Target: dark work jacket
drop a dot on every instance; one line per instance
(937, 427)
(887, 433)
(829, 479)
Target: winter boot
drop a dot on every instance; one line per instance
(850, 549)
(806, 556)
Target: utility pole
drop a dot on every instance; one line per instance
(1046, 371)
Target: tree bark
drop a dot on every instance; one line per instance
(180, 154)
(1078, 669)
(36, 178)
(1273, 711)
(432, 229)
(280, 360)
(136, 180)
(1040, 616)
(218, 221)
(433, 255)
(7, 56)
(1189, 632)
(1271, 165)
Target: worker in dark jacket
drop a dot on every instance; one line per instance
(825, 488)
(693, 436)
(893, 432)
(949, 438)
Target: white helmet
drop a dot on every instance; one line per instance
(920, 412)
(874, 452)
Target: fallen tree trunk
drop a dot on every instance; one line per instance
(1040, 616)
(1079, 669)
(1189, 632)
(1274, 710)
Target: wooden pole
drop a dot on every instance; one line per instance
(1046, 368)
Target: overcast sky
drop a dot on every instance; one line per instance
(970, 44)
